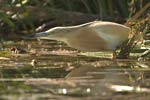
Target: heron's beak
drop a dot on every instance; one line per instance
(36, 35)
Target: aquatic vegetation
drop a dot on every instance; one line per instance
(52, 70)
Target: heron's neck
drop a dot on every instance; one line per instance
(61, 33)
(73, 28)
(67, 29)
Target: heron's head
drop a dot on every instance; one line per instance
(57, 33)
(36, 35)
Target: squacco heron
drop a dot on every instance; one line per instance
(91, 37)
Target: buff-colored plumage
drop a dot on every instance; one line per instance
(93, 36)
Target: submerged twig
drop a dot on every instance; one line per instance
(146, 53)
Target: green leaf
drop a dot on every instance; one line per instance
(6, 19)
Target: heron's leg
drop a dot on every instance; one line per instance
(114, 54)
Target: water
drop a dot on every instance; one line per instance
(62, 73)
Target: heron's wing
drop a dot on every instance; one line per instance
(109, 30)
(114, 34)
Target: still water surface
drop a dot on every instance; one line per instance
(62, 73)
